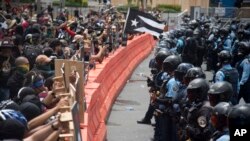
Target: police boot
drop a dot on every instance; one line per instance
(144, 121)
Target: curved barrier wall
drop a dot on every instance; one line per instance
(106, 82)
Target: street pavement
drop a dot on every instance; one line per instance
(131, 105)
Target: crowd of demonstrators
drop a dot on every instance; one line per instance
(184, 104)
(29, 45)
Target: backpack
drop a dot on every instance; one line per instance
(31, 52)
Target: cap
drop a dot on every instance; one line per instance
(77, 37)
(42, 59)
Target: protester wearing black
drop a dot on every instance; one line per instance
(15, 82)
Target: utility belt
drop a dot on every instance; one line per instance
(168, 111)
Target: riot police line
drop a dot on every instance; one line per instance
(184, 104)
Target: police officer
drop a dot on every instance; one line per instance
(184, 104)
(180, 42)
(155, 84)
(166, 128)
(211, 49)
(219, 121)
(198, 127)
(189, 54)
(224, 42)
(228, 73)
(238, 119)
(220, 92)
(199, 46)
(243, 67)
(242, 37)
(180, 99)
(179, 75)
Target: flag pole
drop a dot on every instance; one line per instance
(126, 20)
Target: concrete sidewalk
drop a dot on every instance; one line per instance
(129, 107)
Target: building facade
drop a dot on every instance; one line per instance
(185, 4)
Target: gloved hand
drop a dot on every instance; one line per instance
(150, 83)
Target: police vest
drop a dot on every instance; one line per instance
(231, 76)
(198, 120)
(240, 69)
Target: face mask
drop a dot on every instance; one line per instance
(23, 68)
(45, 67)
(38, 84)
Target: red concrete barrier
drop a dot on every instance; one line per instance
(106, 82)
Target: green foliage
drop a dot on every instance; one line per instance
(169, 8)
(27, 1)
(129, 2)
(72, 3)
(124, 8)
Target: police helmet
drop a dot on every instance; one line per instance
(193, 73)
(196, 32)
(197, 90)
(220, 114)
(182, 70)
(233, 27)
(189, 32)
(222, 108)
(193, 23)
(238, 118)
(161, 55)
(220, 92)
(160, 49)
(244, 48)
(224, 31)
(179, 33)
(247, 26)
(171, 63)
(160, 36)
(225, 56)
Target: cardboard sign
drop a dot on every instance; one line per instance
(69, 67)
(76, 121)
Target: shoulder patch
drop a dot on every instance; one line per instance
(202, 121)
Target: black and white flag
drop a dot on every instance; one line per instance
(138, 21)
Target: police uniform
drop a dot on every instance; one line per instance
(227, 73)
(165, 124)
(221, 136)
(244, 73)
(198, 118)
(199, 127)
(227, 45)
